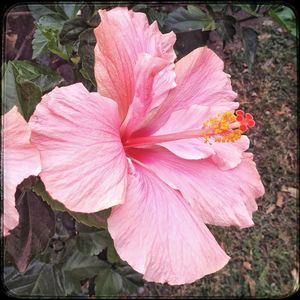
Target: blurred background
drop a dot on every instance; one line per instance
(258, 44)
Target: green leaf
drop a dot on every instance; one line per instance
(39, 43)
(23, 84)
(36, 227)
(69, 9)
(56, 27)
(218, 7)
(64, 10)
(46, 36)
(60, 278)
(31, 94)
(182, 20)
(97, 219)
(226, 28)
(51, 21)
(155, 15)
(108, 283)
(40, 279)
(249, 37)
(86, 48)
(285, 17)
(139, 7)
(251, 9)
(45, 78)
(71, 30)
(53, 42)
(132, 280)
(90, 14)
(91, 243)
(79, 267)
(10, 94)
(112, 255)
(39, 10)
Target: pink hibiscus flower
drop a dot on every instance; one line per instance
(149, 145)
(21, 159)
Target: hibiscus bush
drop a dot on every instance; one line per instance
(119, 145)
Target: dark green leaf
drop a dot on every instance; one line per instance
(53, 42)
(182, 20)
(36, 227)
(155, 15)
(64, 10)
(108, 283)
(41, 75)
(46, 36)
(249, 37)
(23, 84)
(87, 44)
(112, 255)
(87, 11)
(69, 9)
(132, 280)
(218, 7)
(251, 9)
(10, 94)
(139, 7)
(56, 27)
(53, 22)
(31, 95)
(91, 243)
(62, 277)
(97, 219)
(79, 267)
(39, 10)
(285, 17)
(90, 15)
(226, 28)
(39, 43)
(71, 30)
(40, 279)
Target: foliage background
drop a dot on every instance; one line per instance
(72, 254)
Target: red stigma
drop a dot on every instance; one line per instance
(243, 127)
(239, 113)
(246, 120)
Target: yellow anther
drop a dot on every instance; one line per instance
(222, 128)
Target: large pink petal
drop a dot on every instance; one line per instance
(220, 197)
(83, 162)
(200, 79)
(189, 148)
(121, 37)
(163, 83)
(157, 233)
(229, 155)
(21, 159)
(191, 117)
(146, 69)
